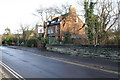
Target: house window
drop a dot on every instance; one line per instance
(59, 20)
(50, 31)
(53, 22)
(56, 29)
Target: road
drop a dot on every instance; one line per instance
(29, 65)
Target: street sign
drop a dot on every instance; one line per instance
(40, 30)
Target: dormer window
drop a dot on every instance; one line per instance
(53, 22)
(48, 23)
(59, 20)
(77, 20)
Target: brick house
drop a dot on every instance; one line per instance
(67, 22)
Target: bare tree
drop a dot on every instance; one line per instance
(7, 31)
(103, 20)
(45, 14)
(26, 31)
(107, 17)
(63, 9)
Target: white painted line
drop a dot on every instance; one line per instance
(12, 70)
(9, 71)
(15, 74)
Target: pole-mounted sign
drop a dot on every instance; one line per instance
(40, 30)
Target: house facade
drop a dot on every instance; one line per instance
(69, 22)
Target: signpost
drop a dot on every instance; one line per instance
(40, 30)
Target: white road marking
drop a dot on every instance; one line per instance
(15, 74)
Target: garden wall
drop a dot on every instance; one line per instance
(108, 52)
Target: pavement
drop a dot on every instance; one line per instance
(3, 74)
(93, 62)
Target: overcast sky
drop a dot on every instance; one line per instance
(16, 12)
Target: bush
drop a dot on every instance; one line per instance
(8, 40)
(114, 41)
(53, 41)
(66, 36)
(31, 43)
(44, 41)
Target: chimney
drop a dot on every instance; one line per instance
(72, 10)
(52, 17)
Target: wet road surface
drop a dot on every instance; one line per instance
(30, 65)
